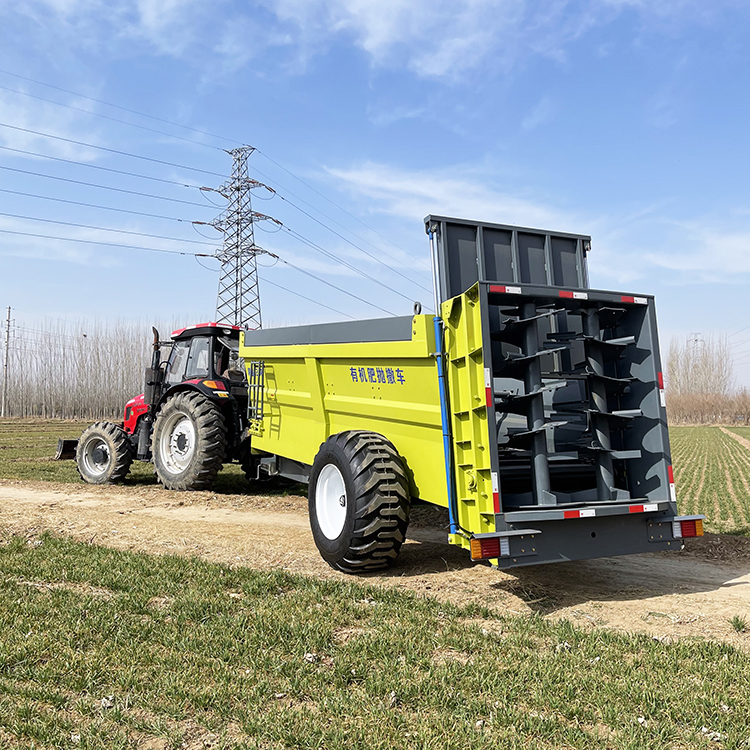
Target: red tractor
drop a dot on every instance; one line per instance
(189, 420)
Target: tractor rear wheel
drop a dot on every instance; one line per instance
(189, 442)
(103, 454)
(358, 501)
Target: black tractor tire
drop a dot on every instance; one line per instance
(358, 502)
(103, 454)
(189, 442)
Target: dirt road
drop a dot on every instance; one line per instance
(667, 595)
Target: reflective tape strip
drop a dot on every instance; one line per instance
(650, 508)
(495, 492)
(585, 513)
(662, 397)
(636, 509)
(488, 394)
(505, 289)
(673, 493)
(640, 300)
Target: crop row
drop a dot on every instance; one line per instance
(712, 475)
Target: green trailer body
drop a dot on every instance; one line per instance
(548, 442)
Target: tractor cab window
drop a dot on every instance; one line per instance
(198, 359)
(226, 359)
(177, 361)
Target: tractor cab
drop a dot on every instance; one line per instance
(208, 351)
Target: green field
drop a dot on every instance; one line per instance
(712, 471)
(712, 476)
(27, 449)
(108, 649)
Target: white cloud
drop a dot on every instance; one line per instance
(29, 114)
(627, 251)
(706, 254)
(434, 39)
(452, 191)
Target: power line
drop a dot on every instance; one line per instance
(108, 244)
(328, 283)
(309, 299)
(201, 132)
(96, 166)
(333, 203)
(103, 187)
(362, 250)
(108, 150)
(107, 117)
(330, 255)
(106, 229)
(115, 106)
(93, 205)
(309, 205)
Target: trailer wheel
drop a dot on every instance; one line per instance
(189, 442)
(358, 501)
(103, 454)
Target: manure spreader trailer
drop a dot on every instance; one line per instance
(530, 406)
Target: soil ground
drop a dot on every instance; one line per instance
(692, 593)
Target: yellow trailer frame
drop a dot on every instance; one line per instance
(313, 391)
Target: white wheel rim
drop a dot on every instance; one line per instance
(96, 457)
(177, 443)
(330, 501)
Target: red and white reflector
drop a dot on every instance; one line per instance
(644, 508)
(505, 289)
(495, 492)
(662, 392)
(687, 528)
(573, 295)
(584, 513)
(672, 491)
(489, 395)
(486, 549)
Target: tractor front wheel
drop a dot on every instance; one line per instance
(103, 454)
(358, 501)
(189, 442)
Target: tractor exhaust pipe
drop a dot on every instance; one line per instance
(151, 394)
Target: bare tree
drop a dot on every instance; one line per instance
(700, 382)
(87, 369)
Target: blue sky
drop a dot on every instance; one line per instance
(622, 119)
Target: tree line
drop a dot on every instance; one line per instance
(82, 370)
(700, 383)
(90, 369)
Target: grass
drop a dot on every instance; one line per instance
(712, 470)
(122, 650)
(712, 476)
(738, 623)
(28, 446)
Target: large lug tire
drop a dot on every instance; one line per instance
(358, 502)
(103, 454)
(189, 442)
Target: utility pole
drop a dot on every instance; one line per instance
(5, 364)
(238, 300)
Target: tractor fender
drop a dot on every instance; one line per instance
(215, 390)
